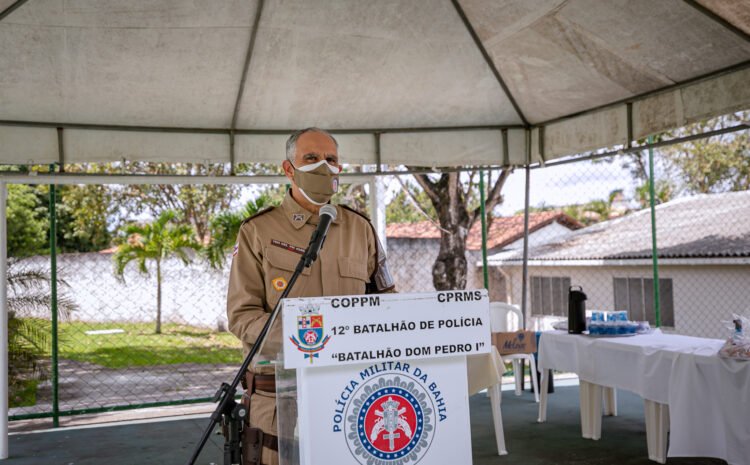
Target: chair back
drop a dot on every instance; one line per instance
(504, 317)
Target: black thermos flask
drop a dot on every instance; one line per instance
(576, 310)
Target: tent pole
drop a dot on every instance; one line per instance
(483, 215)
(654, 250)
(525, 273)
(377, 197)
(377, 208)
(525, 277)
(11, 8)
(3, 323)
(53, 300)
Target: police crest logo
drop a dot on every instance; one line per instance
(310, 337)
(391, 419)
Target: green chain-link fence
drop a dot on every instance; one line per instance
(589, 225)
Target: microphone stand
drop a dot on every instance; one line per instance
(229, 412)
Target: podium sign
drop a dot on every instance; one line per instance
(326, 331)
(381, 379)
(394, 413)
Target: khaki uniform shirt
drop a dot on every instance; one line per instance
(268, 249)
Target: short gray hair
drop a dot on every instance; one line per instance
(291, 143)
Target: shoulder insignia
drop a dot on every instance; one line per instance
(260, 213)
(355, 211)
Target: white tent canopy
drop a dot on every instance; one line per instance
(442, 82)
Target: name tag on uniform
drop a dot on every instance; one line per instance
(286, 246)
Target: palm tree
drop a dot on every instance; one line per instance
(29, 330)
(225, 226)
(155, 241)
(664, 191)
(603, 209)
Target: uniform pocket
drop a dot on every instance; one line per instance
(352, 276)
(279, 267)
(353, 268)
(284, 260)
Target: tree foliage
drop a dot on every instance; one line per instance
(716, 164)
(591, 212)
(225, 227)
(156, 241)
(409, 205)
(664, 191)
(702, 166)
(86, 215)
(197, 203)
(26, 222)
(351, 195)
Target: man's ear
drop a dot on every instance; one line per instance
(288, 169)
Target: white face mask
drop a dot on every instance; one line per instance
(312, 167)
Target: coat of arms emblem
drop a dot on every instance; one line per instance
(392, 424)
(310, 337)
(390, 420)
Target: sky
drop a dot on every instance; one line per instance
(574, 183)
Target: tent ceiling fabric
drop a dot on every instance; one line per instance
(361, 65)
(558, 56)
(141, 63)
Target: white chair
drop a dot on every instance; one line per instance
(497, 416)
(499, 312)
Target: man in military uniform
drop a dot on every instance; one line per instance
(268, 249)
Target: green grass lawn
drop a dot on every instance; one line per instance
(140, 346)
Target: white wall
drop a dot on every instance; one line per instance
(410, 262)
(703, 295)
(191, 294)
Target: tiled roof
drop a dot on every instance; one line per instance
(418, 230)
(702, 226)
(502, 231)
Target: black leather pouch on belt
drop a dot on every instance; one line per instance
(253, 442)
(251, 446)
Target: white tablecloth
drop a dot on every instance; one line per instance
(708, 397)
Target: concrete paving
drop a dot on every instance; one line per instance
(86, 385)
(167, 442)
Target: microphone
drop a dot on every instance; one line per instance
(327, 215)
